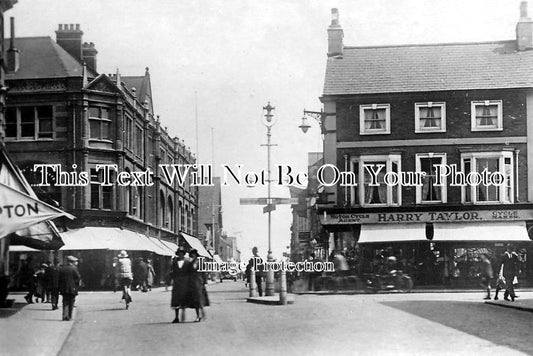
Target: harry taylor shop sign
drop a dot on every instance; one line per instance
(427, 217)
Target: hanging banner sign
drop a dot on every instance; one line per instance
(427, 217)
(19, 210)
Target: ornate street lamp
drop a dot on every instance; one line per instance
(269, 120)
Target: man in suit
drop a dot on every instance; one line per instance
(256, 264)
(69, 281)
(509, 271)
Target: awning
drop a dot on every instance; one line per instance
(392, 233)
(217, 259)
(22, 248)
(163, 249)
(170, 245)
(109, 238)
(195, 244)
(488, 231)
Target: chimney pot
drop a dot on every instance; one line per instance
(77, 26)
(524, 29)
(335, 36)
(334, 17)
(60, 27)
(13, 55)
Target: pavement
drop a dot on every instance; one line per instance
(37, 330)
(14, 322)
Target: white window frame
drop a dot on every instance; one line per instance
(429, 104)
(499, 121)
(101, 120)
(361, 160)
(36, 126)
(501, 155)
(443, 188)
(363, 108)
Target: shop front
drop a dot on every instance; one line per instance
(436, 248)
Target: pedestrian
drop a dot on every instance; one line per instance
(486, 274)
(256, 264)
(69, 282)
(27, 278)
(142, 275)
(180, 274)
(40, 290)
(52, 278)
(125, 276)
(115, 274)
(509, 271)
(151, 275)
(312, 275)
(197, 291)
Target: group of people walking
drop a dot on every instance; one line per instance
(507, 275)
(188, 289)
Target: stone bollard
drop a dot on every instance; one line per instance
(283, 288)
(253, 285)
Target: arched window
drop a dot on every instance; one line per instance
(129, 198)
(170, 215)
(182, 216)
(138, 202)
(162, 214)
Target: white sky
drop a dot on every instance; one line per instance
(238, 55)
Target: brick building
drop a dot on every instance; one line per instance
(62, 111)
(411, 108)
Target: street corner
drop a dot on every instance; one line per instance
(270, 300)
(518, 304)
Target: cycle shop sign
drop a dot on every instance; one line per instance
(427, 217)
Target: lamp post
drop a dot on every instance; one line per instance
(213, 233)
(320, 117)
(269, 121)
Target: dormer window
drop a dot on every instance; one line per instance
(430, 117)
(374, 119)
(487, 115)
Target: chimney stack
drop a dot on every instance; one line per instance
(13, 55)
(88, 54)
(335, 36)
(524, 29)
(69, 38)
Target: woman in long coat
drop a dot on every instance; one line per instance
(197, 294)
(180, 274)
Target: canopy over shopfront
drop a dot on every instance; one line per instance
(194, 243)
(490, 231)
(19, 219)
(392, 233)
(111, 238)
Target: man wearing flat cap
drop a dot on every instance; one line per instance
(69, 281)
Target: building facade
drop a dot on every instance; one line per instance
(63, 112)
(429, 154)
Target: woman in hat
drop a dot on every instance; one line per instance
(180, 274)
(197, 293)
(125, 276)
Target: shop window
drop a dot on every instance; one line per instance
(428, 191)
(372, 189)
(374, 119)
(499, 188)
(99, 123)
(487, 115)
(430, 117)
(30, 122)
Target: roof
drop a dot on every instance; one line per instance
(41, 57)
(437, 67)
(141, 84)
